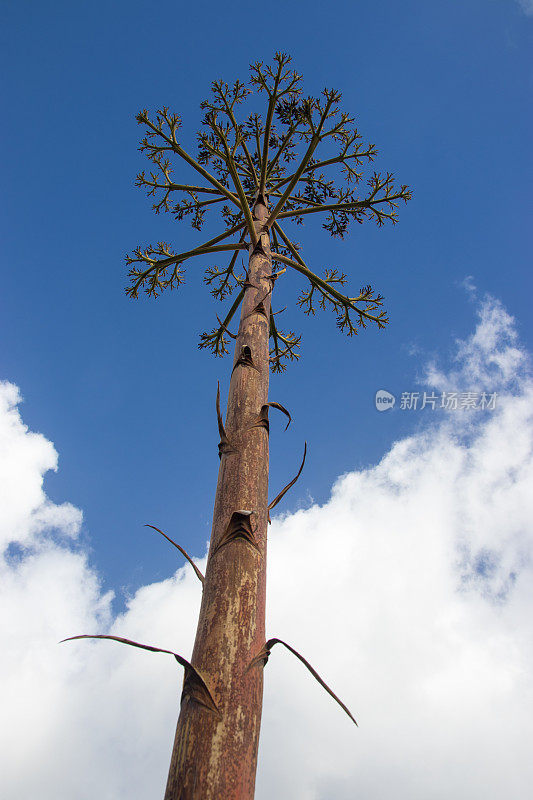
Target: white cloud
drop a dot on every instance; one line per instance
(489, 360)
(526, 6)
(469, 286)
(410, 591)
(26, 457)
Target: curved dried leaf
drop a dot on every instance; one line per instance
(149, 647)
(265, 653)
(262, 421)
(194, 685)
(284, 491)
(283, 410)
(182, 551)
(224, 445)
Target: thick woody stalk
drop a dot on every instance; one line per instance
(215, 752)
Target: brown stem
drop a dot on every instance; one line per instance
(215, 758)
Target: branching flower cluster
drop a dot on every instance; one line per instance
(304, 155)
(155, 274)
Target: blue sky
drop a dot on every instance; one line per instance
(442, 88)
(119, 387)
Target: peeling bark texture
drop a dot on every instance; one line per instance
(215, 755)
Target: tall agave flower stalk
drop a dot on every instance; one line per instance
(262, 173)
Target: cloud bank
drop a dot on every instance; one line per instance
(410, 591)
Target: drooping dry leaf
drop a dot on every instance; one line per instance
(182, 551)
